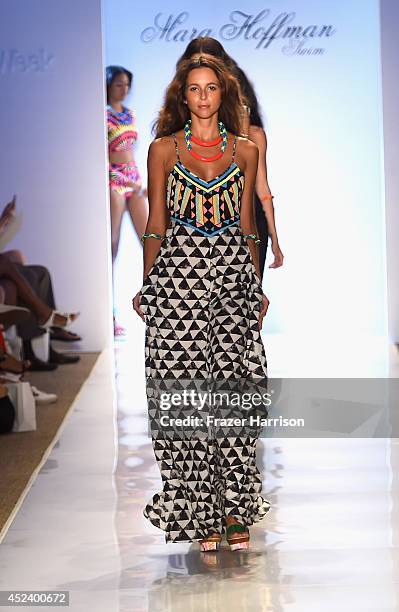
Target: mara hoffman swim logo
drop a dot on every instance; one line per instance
(15, 61)
(261, 29)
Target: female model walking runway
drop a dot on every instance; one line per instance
(124, 176)
(253, 129)
(202, 301)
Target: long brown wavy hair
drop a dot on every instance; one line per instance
(211, 46)
(174, 113)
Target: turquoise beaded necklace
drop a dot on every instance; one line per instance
(187, 138)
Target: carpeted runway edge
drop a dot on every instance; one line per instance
(21, 453)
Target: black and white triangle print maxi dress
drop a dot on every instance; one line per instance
(201, 302)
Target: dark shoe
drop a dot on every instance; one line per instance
(58, 333)
(61, 358)
(37, 365)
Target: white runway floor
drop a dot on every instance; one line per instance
(329, 542)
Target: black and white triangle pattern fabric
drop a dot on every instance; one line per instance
(201, 301)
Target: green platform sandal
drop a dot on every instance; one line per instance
(239, 542)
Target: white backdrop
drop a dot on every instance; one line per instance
(390, 71)
(322, 112)
(321, 101)
(53, 150)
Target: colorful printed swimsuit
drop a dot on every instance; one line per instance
(122, 134)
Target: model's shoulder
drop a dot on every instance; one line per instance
(161, 147)
(258, 135)
(246, 145)
(162, 143)
(246, 148)
(256, 129)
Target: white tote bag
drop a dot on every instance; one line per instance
(25, 406)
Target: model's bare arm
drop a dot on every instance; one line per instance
(258, 136)
(158, 218)
(249, 152)
(247, 217)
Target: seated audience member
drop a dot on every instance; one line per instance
(30, 286)
(12, 369)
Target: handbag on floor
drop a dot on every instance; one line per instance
(25, 406)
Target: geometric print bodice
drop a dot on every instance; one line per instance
(208, 206)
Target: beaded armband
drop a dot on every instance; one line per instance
(254, 236)
(151, 235)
